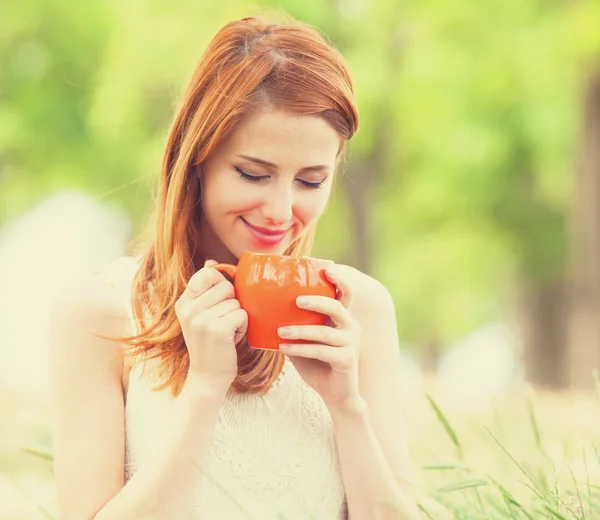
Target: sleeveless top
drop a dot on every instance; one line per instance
(271, 456)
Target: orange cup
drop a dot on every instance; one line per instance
(267, 287)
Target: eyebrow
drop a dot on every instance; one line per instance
(318, 167)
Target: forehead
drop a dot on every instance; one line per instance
(284, 139)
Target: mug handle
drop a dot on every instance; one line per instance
(227, 269)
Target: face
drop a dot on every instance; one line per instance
(266, 184)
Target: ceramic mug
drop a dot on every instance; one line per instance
(267, 285)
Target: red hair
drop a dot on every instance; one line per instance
(250, 65)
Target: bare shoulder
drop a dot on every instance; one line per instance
(93, 306)
(97, 299)
(368, 292)
(86, 389)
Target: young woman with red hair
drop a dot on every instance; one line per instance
(161, 410)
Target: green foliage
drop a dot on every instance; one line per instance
(469, 493)
(469, 129)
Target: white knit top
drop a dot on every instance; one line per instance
(271, 457)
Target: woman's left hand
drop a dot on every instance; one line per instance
(329, 363)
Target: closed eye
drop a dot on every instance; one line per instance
(248, 177)
(312, 185)
(258, 178)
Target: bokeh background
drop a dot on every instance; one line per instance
(472, 190)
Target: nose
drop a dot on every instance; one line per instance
(278, 205)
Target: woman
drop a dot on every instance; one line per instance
(160, 408)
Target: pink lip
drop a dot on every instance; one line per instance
(266, 236)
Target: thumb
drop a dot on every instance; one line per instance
(210, 263)
(323, 263)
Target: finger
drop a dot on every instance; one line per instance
(317, 334)
(329, 306)
(344, 293)
(216, 294)
(200, 282)
(237, 320)
(223, 308)
(332, 356)
(323, 263)
(210, 263)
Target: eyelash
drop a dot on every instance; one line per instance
(258, 178)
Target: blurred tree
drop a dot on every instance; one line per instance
(481, 207)
(457, 192)
(86, 96)
(584, 326)
(51, 53)
(585, 295)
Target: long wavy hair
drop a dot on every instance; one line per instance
(250, 65)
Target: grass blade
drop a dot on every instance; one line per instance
(447, 427)
(37, 452)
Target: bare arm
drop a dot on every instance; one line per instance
(373, 491)
(369, 433)
(164, 487)
(88, 420)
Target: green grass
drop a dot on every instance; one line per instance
(516, 469)
(533, 456)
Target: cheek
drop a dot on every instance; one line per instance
(310, 208)
(226, 198)
(242, 199)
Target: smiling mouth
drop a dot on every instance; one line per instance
(265, 236)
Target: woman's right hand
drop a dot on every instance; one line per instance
(212, 322)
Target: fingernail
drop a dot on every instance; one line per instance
(284, 332)
(303, 301)
(284, 346)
